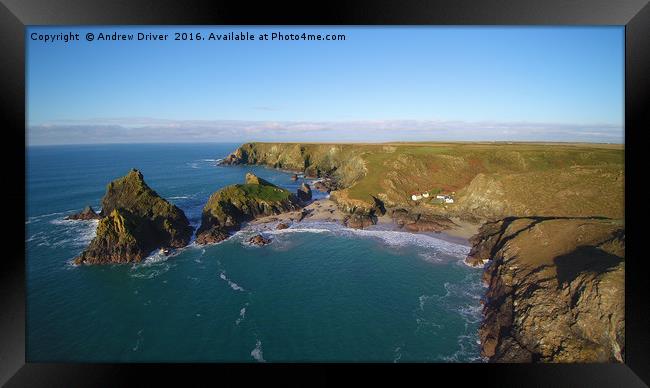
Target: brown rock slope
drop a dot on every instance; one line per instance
(555, 289)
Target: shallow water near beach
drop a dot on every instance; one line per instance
(318, 292)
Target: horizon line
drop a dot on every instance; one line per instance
(405, 142)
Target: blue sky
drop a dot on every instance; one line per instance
(380, 84)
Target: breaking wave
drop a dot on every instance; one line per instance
(388, 237)
(42, 216)
(463, 300)
(72, 233)
(180, 197)
(242, 315)
(257, 353)
(232, 284)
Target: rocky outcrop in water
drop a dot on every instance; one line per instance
(420, 222)
(259, 240)
(87, 214)
(229, 207)
(212, 235)
(555, 289)
(304, 192)
(136, 220)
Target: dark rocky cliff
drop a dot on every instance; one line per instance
(555, 289)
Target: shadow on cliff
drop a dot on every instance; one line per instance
(583, 259)
(534, 221)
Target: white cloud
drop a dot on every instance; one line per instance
(145, 130)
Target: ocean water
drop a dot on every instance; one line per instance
(319, 292)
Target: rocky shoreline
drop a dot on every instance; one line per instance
(326, 210)
(135, 221)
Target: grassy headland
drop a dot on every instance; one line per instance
(486, 180)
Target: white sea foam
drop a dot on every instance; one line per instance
(232, 284)
(198, 259)
(150, 272)
(388, 237)
(300, 230)
(471, 313)
(257, 353)
(41, 216)
(152, 259)
(73, 233)
(463, 262)
(468, 351)
(180, 197)
(463, 300)
(138, 341)
(431, 257)
(398, 354)
(423, 299)
(242, 315)
(36, 236)
(152, 266)
(422, 323)
(71, 265)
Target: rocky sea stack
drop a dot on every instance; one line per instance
(555, 289)
(229, 207)
(87, 214)
(135, 221)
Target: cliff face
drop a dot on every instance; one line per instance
(341, 161)
(136, 220)
(555, 289)
(227, 208)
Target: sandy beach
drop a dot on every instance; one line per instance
(325, 210)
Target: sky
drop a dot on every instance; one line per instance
(379, 84)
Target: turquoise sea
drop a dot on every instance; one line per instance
(319, 292)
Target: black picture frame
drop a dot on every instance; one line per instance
(15, 15)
